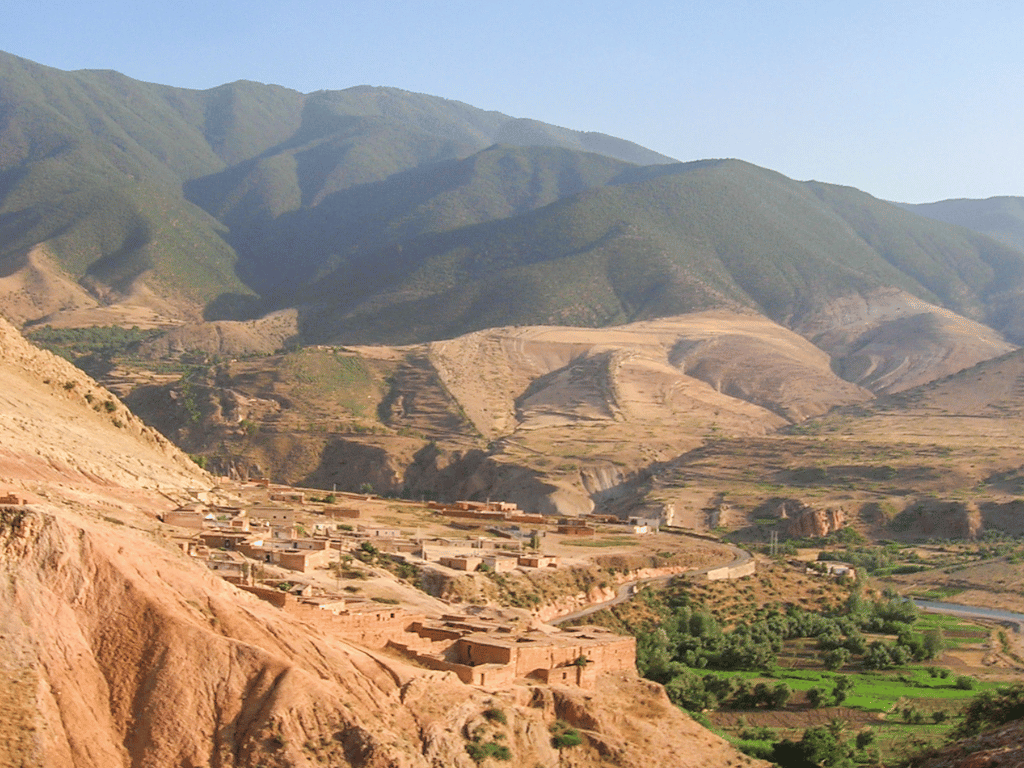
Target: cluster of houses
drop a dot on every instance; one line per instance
(288, 533)
(493, 654)
(486, 652)
(505, 511)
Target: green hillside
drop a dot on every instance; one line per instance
(1001, 218)
(341, 227)
(199, 192)
(658, 241)
(394, 216)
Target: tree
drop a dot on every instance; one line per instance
(653, 655)
(818, 747)
(865, 738)
(781, 694)
(934, 643)
(688, 691)
(837, 727)
(965, 682)
(836, 658)
(817, 697)
(990, 708)
(842, 688)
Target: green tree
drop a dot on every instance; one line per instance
(781, 694)
(865, 738)
(836, 658)
(934, 643)
(817, 697)
(841, 689)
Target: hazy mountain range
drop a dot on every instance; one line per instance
(388, 216)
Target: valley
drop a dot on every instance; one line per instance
(369, 428)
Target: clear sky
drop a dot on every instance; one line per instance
(910, 101)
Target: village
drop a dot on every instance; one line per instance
(295, 549)
(308, 555)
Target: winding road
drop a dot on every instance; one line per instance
(627, 589)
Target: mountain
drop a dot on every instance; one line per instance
(98, 173)
(666, 240)
(387, 216)
(1001, 218)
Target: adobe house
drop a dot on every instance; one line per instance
(526, 517)
(538, 561)
(368, 623)
(461, 562)
(575, 529)
(645, 524)
(494, 656)
(276, 514)
(223, 539)
(287, 555)
(341, 513)
(295, 497)
(230, 566)
(186, 515)
(500, 564)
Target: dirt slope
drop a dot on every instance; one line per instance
(58, 426)
(887, 340)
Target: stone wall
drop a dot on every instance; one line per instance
(733, 571)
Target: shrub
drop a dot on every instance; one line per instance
(992, 708)
(563, 736)
(865, 738)
(817, 697)
(569, 738)
(496, 715)
(480, 752)
(965, 683)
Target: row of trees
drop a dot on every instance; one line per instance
(688, 636)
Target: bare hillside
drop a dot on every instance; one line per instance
(555, 418)
(57, 426)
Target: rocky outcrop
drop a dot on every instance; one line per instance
(55, 420)
(802, 521)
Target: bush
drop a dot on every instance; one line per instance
(836, 658)
(480, 752)
(569, 738)
(965, 683)
(563, 736)
(496, 715)
(865, 738)
(818, 697)
(992, 708)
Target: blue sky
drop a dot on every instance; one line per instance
(910, 101)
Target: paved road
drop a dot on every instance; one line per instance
(629, 588)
